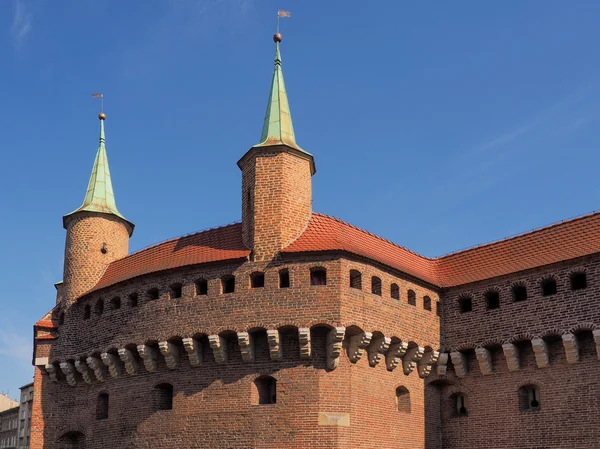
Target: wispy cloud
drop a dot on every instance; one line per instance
(22, 23)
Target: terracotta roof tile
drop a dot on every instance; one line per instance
(213, 245)
(45, 324)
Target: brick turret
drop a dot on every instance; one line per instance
(97, 233)
(276, 178)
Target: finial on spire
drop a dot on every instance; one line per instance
(102, 116)
(277, 37)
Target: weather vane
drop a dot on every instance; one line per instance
(281, 13)
(101, 96)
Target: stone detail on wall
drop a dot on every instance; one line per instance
(571, 346)
(219, 347)
(410, 359)
(304, 337)
(459, 360)
(334, 419)
(128, 358)
(596, 333)
(246, 343)
(540, 349)
(150, 357)
(511, 354)
(68, 370)
(194, 351)
(170, 352)
(51, 370)
(113, 363)
(425, 365)
(442, 364)
(484, 357)
(377, 349)
(357, 345)
(274, 344)
(394, 355)
(335, 337)
(97, 367)
(84, 370)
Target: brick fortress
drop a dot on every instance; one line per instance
(293, 329)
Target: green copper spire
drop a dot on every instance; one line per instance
(278, 128)
(100, 196)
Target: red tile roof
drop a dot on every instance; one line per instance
(213, 245)
(45, 324)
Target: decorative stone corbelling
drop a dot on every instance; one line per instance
(246, 343)
(68, 370)
(395, 354)
(596, 333)
(84, 370)
(128, 358)
(150, 357)
(304, 337)
(170, 352)
(357, 345)
(194, 351)
(571, 346)
(97, 367)
(459, 360)
(540, 349)
(484, 357)
(219, 347)
(51, 370)
(425, 365)
(442, 364)
(410, 359)
(274, 344)
(511, 354)
(113, 364)
(335, 338)
(377, 349)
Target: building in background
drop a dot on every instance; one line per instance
(24, 424)
(7, 403)
(8, 427)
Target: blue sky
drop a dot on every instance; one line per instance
(438, 125)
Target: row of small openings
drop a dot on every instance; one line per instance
(356, 282)
(528, 397)
(519, 292)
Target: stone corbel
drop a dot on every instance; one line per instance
(246, 343)
(51, 370)
(442, 364)
(68, 370)
(97, 367)
(484, 357)
(219, 347)
(540, 349)
(511, 354)
(377, 349)
(84, 370)
(459, 360)
(273, 338)
(596, 333)
(571, 346)
(394, 355)
(170, 352)
(425, 365)
(150, 357)
(410, 359)
(304, 337)
(335, 339)
(194, 351)
(128, 358)
(357, 345)
(113, 363)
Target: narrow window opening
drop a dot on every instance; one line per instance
(228, 284)
(519, 293)
(257, 280)
(492, 300)
(153, 294)
(459, 405)
(87, 312)
(115, 303)
(61, 318)
(465, 304)
(163, 397)
(99, 307)
(376, 285)
(403, 400)
(412, 298)
(201, 287)
(284, 279)
(133, 299)
(427, 303)
(355, 279)
(318, 276)
(265, 391)
(176, 291)
(578, 281)
(529, 398)
(548, 287)
(438, 308)
(102, 406)
(395, 291)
